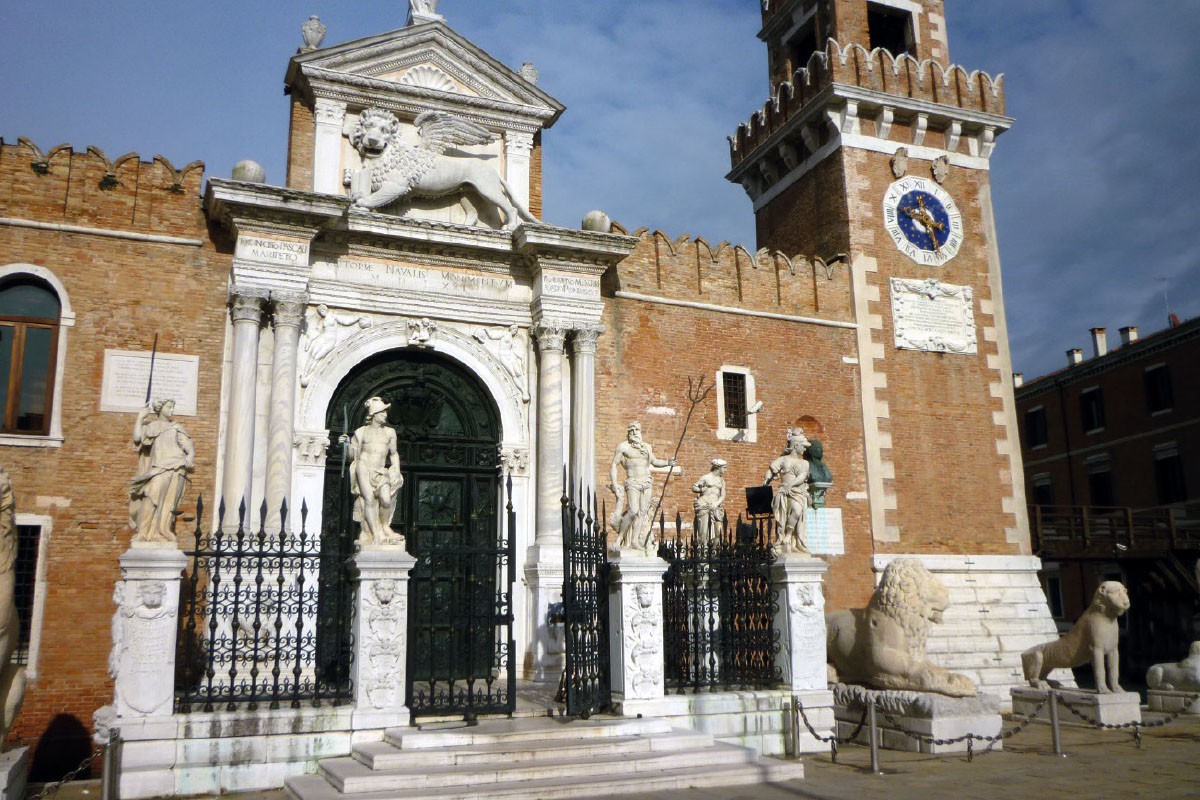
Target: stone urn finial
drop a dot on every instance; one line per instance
(312, 31)
(529, 72)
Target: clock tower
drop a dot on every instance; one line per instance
(874, 150)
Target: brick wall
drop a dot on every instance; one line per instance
(122, 291)
(301, 134)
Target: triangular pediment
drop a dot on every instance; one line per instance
(421, 61)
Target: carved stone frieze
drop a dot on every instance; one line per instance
(145, 627)
(421, 331)
(312, 447)
(514, 460)
(643, 642)
(384, 648)
(324, 332)
(508, 345)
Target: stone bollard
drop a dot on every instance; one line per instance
(380, 635)
(800, 622)
(636, 633)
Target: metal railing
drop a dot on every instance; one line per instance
(1065, 531)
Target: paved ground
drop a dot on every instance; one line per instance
(1099, 765)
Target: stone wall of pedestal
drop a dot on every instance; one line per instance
(635, 633)
(800, 621)
(380, 635)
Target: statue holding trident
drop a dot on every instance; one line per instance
(633, 519)
(375, 477)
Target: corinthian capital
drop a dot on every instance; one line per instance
(329, 112)
(583, 339)
(246, 304)
(288, 308)
(550, 336)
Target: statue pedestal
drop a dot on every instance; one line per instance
(635, 633)
(145, 628)
(800, 622)
(381, 574)
(929, 715)
(544, 577)
(1170, 702)
(1108, 709)
(14, 773)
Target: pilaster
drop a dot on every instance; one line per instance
(517, 149)
(246, 310)
(327, 145)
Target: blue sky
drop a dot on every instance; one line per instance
(1094, 186)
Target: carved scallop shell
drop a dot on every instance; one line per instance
(427, 77)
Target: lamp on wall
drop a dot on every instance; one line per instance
(754, 409)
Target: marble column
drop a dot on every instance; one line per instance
(635, 634)
(288, 314)
(583, 409)
(246, 309)
(550, 435)
(800, 622)
(327, 145)
(380, 635)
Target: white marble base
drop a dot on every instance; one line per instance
(635, 628)
(800, 622)
(929, 715)
(14, 773)
(1173, 702)
(1106, 709)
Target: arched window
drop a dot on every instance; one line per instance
(29, 330)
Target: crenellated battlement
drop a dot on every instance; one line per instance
(911, 82)
(691, 269)
(65, 186)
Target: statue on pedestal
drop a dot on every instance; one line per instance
(820, 477)
(710, 496)
(632, 516)
(12, 676)
(375, 477)
(792, 500)
(165, 457)
(1093, 639)
(1181, 677)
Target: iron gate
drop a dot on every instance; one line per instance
(585, 608)
(719, 608)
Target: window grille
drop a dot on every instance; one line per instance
(733, 385)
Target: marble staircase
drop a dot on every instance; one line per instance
(542, 757)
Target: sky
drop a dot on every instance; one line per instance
(1094, 186)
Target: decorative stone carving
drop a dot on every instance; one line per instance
(940, 169)
(312, 32)
(631, 519)
(550, 336)
(514, 460)
(883, 645)
(1181, 677)
(899, 162)
(643, 645)
(427, 76)
(708, 505)
(421, 331)
(12, 676)
(422, 11)
(385, 618)
(394, 170)
(800, 620)
(246, 304)
(1093, 638)
(249, 171)
(509, 348)
(820, 477)
(311, 449)
(529, 72)
(792, 501)
(147, 628)
(597, 222)
(933, 316)
(165, 457)
(323, 336)
(375, 477)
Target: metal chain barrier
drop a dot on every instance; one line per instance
(969, 738)
(1135, 727)
(833, 741)
(50, 789)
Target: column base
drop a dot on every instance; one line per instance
(547, 657)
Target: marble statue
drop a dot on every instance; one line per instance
(422, 11)
(792, 501)
(820, 477)
(710, 497)
(510, 349)
(393, 170)
(375, 477)
(165, 457)
(1181, 677)
(882, 646)
(1093, 638)
(323, 337)
(12, 676)
(632, 516)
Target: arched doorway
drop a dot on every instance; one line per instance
(460, 612)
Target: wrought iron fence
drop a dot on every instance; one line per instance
(719, 607)
(585, 607)
(248, 620)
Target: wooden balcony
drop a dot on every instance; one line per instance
(1100, 532)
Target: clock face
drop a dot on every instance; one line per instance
(923, 221)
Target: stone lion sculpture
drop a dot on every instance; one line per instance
(882, 646)
(1093, 638)
(394, 170)
(1181, 677)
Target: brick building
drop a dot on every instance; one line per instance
(514, 354)
(1111, 446)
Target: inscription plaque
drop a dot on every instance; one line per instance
(426, 280)
(933, 316)
(824, 529)
(272, 251)
(126, 372)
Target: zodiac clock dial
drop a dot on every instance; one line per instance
(923, 220)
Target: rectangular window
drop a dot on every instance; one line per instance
(1169, 482)
(1043, 491)
(25, 579)
(1157, 380)
(802, 45)
(1091, 409)
(1035, 427)
(734, 388)
(1052, 585)
(890, 28)
(1100, 487)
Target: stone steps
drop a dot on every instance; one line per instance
(544, 758)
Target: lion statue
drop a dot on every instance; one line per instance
(393, 170)
(1181, 677)
(1093, 638)
(882, 646)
